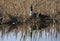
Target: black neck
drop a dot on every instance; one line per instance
(31, 8)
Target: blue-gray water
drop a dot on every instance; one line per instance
(23, 33)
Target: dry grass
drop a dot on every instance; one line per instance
(21, 7)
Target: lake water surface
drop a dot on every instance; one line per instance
(24, 33)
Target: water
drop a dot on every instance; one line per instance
(24, 33)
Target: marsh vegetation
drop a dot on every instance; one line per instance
(29, 20)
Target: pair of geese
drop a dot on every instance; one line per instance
(32, 15)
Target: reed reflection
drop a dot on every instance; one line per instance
(30, 32)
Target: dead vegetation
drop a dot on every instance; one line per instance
(14, 7)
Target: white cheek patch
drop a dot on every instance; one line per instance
(30, 13)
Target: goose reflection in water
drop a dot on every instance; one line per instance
(33, 33)
(33, 16)
(12, 27)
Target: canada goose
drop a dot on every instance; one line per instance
(13, 19)
(32, 14)
(31, 11)
(44, 21)
(43, 18)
